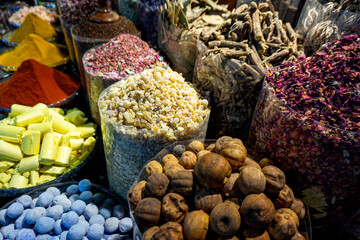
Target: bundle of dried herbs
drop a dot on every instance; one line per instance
(179, 25)
(308, 119)
(233, 58)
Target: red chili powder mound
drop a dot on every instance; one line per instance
(35, 83)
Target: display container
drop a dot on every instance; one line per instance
(305, 224)
(322, 160)
(128, 8)
(148, 12)
(66, 28)
(127, 149)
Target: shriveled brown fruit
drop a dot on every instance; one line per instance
(183, 182)
(178, 150)
(196, 146)
(299, 208)
(147, 212)
(174, 207)
(202, 153)
(156, 186)
(249, 162)
(298, 236)
(257, 210)
(251, 180)
(212, 170)
(188, 160)
(256, 234)
(285, 198)
(225, 219)
(266, 162)
(206, 199)
(169, 158)
(231, 187)
(196, 225)
(170, 172)
(235, 152)
(136, 194)
(211, 147)
(284, 224)
(169, 230)
(152, 167)
(220, 142)
(275, 179)
(148, 234)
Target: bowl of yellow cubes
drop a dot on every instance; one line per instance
(41, 145)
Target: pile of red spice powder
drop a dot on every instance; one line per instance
(35, 83)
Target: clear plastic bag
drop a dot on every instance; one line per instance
(321, 159)
(127, 150)
(232, 90)
(321, 23)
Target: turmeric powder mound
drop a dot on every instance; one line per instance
(33, 24)
(33, 47)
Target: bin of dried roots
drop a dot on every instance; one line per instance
(232, 61)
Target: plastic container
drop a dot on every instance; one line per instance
(126, 152)
(66, 28)
(94, 188)
(63, 178)
(81, 45)
(322, 160)
(305, 225)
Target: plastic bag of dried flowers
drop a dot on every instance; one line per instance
(143, 114)
(307, 118)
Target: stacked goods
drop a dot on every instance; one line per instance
(39, 144)
(214, 191)
(44, 13)
(233, 58)
(34, 82)
(64, 211)
(36, 25)
(33, 47)
(141, 115)
(307, 118)
(179, 25)
(116, 60)
(74, 11)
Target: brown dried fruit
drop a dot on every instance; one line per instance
(298, 236)
(285, 198)
(202, 153)
(251, 180)
(257, 210)
(235, 152)
(231, 187)
(196, 225)
(183, 182)
(147, 212)
(220, 142)
(266, 162)
(188, 160)
(211, 147)
(148, 234)
(225, 219)
(256, 234)
(284, 224)
(299, 208)
(206, 199)
(169, 230)
(174, 207)
(136, 194)
(196, 146)
(249, 162)
(170, 172)
(179, 149)
(169, 158)
(152, 167)
(275, 179)
(212, 170)
(156, 185)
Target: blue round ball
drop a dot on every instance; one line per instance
(125, 225)
(63, 235)
(43, 237)
(98, 198)
(22, 223)
(6, 229)
(26, 234)
(33, 203)
(84, 185)
(44, 225)
(15, 210)
(118, 211)
(69, 219)
(90, 210)
(5, 219)
(45, 199)
(111, 224)
(97, 219)
(54, 191)
(76, 232)
(58, 229)
(105, 211)
(12, 235)
(72, 189)
(86, 196)
(95, 232)
(63, 201)
(74, 197)
(34, 214)
(78, 206)
(109, 202)
(55, 212)
(25, 200)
